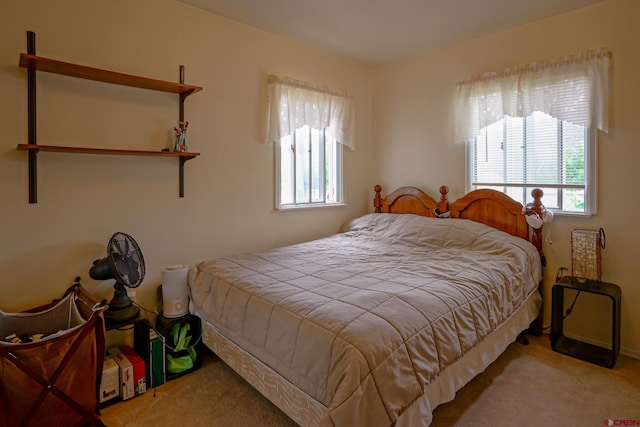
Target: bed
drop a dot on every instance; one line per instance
(382, 322)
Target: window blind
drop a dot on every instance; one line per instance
(515, 155)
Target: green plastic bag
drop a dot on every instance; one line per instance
(181, 340)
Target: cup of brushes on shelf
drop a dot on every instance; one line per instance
(180, 133)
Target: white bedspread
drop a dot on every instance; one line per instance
(364, 320)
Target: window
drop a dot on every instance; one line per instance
(310, 126)
(309, 169)
(535, 126)
(515, 155)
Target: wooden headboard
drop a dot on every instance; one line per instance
(489, 207)
(411, 200)
(493, 208)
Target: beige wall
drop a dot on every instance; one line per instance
(84, 199)
(412, 133)
(403, 138)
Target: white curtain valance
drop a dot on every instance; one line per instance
(293, 104)
(573, 88)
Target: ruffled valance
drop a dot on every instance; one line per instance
(294, 104)
(573, 88)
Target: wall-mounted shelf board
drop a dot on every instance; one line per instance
(80, 71)
(60, 149)
(33, 149)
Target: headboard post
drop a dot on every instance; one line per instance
(377, 200)
(443, 206)
(536, 237)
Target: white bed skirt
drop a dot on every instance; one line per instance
(308, 412)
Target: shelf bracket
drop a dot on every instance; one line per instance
(182, 97)
(31, 120)
(183, 160)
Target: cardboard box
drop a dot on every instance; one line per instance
(126, 373)
(139, 370)
(110, 383)
(157, 362)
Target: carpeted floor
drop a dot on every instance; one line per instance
(528, 385)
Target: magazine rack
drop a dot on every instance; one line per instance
(53, 380)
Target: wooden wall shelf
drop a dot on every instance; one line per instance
(80, 71)
(35, 63)
(86, 150)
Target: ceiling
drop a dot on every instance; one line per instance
(381, 31)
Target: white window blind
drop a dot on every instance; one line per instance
(515, 155)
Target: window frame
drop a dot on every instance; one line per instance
(339, 172)
(591, 177)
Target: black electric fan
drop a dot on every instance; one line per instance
(125, 264)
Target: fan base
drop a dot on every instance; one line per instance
(120, 315)
(121, 309)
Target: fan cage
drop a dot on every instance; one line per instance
(130, 250)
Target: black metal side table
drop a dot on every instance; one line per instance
(591, 353)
